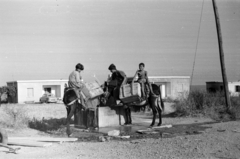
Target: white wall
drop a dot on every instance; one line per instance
(38, 89)
(175, 86)
(232, 88)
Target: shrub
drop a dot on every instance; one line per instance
(209, 104)
(11, 89)
(13, 117)
(47, 124)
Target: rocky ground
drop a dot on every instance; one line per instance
(187, 138)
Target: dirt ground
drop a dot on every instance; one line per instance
(187, 138)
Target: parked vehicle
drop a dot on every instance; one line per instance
(48, 98)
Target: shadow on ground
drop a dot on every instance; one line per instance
(50, 126)
(57, 127)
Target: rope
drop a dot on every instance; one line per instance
(196, 45)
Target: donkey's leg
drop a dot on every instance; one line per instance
(126, 113)
(72, 110)
(68, 110)
(154, 111)
(159, 115)
(129, 116)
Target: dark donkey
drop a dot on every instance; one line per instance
(154, 101)
(71, 102)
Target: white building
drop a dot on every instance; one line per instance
(172, 86)
(234, 88)
(32, 90)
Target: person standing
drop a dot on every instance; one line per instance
(116, 81)
(76, 82)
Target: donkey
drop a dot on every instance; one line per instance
(72, 103)
(70, 100)
(154, 101)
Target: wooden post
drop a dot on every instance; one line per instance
(221, 55)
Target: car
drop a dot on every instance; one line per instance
(48, 98)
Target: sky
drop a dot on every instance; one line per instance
(45, 39)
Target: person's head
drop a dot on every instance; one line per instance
(79, 67)
(112, 68)
(141, 66)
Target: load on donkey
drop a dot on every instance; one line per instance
(108, 95)
(130, 94)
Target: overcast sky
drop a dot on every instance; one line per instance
(45, 39)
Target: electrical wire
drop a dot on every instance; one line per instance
(194, 61)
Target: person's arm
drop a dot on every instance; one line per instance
(109, 78)
(78, 79)
(124, 81)
(134, 76)
(133, 81)
(124, 78)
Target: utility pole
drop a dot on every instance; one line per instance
(221, 55)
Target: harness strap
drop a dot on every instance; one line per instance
(72, 102)
(68, 89)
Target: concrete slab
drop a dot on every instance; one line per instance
(110, 116)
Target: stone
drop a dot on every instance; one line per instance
(114, 133)
(101, 139)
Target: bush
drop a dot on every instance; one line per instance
(47, 124)
(12, 90)
(13, 117)
(213, 105)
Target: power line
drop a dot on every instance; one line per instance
(194, 61)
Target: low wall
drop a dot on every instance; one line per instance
(100, 117)
(110, 116)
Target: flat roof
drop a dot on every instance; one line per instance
(66, 80)
(236, 82)
(30, 81)
(168, 76)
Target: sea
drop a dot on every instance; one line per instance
(198, 87)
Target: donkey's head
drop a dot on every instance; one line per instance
(155, 89)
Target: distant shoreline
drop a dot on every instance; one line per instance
(198, 87)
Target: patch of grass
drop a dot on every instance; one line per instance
(48, 118)
(13, 117)
(200, 102)
(47, 124)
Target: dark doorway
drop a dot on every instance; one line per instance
(47, 90)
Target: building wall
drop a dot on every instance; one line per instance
(171, 87)
(13, 99)
(32, 91)
(234, 88)
(174, 86)
(213, 87)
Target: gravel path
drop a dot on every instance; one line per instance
(189, 138)
(218, 140)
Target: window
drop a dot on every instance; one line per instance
(30, 92)
(237, 89)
